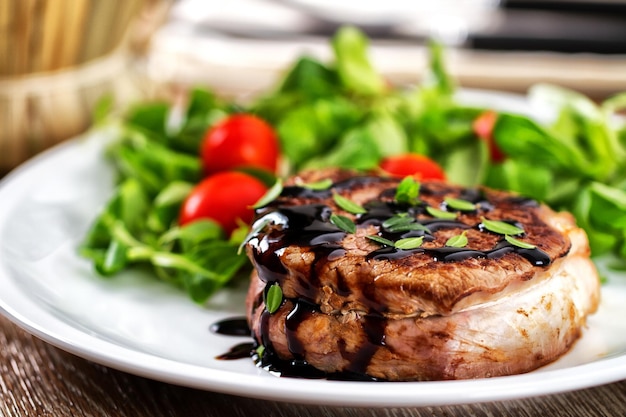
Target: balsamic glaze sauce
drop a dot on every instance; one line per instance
(306, 225)
(298, 367)
(239, 351)
(309, 225)
(449, 254)
(236, 326)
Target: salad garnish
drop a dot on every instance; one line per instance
(343, 113)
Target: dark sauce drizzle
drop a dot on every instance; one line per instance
(297, 367)
(308, 225)
(449, 254)
(236, 326)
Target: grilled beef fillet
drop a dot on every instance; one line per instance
(494, 305)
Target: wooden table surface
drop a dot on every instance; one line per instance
(37, 379)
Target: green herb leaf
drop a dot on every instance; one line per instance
(380, 240)
(408, 191)
(518, 243)
(403, 223)
(260, 350)
(324, 184)
(398, 219)
(440, 214)
(459, 204)
(458, 241)
(409, 228)
(271, 195)
(397, 224)
(409, 243)
(500, 227)
(343, 223)
(274, 298)
(348, 205)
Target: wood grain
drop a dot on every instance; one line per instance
(37, 379)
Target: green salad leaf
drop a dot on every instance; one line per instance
(354, 67)
(343, 113)
(158, 167)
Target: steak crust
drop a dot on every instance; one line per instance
(434, 311)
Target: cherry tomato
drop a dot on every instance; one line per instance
(224, 197)
(239, 140)
(483, 128)
(419, 166)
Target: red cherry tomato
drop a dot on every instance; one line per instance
(239, 140)
(224, 197)
(483, 128)
(419, 166)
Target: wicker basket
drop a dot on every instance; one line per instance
(58, 58)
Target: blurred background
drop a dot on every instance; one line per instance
(58, 58)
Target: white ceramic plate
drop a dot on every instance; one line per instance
(139, 325)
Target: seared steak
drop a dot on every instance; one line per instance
(452, 283)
